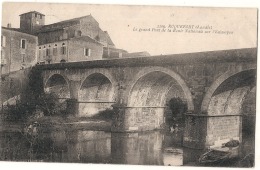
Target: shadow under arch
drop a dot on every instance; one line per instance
(224, 106)
(170, 75)
(217, 83)
(55, 74)
(58, 84)
(104, 76)
(96, 94)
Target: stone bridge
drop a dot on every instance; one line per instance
(214, 84)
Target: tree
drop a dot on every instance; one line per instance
(177, 106)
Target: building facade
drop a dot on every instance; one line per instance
(30, 22)
(70, 50)
(18, 54)
(73, 40)
(18, 50)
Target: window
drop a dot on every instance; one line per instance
(40, 16)
(35, 15)
(23, 43)
(48, 52)
(87, 52)
(3, 41)
(55, 51)
(44, 54)
(40, 53)
(63, 50)
(3, 61)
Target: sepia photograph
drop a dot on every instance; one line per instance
(114, 84)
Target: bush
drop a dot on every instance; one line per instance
(47, 103)
(178, 107)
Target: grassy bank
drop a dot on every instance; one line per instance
(49, 123)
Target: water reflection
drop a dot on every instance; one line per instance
(150, 148)
(137, 148)
(89, 147)
(84, 146)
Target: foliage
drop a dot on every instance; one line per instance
(35, 85)
(46, 103)
(33, 100)
(177, 106)
(49, 104)
(14, 113)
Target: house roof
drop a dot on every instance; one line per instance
(48, 30)
(18, 30)
(32, 12)
(83, 38)
(86, 38)
(103, 35)
(63, 24)
(115, 49)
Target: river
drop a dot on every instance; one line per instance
(84, 146)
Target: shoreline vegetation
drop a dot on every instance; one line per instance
(48, 123)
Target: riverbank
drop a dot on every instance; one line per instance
(48, 123)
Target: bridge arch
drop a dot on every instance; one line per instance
(216, 84)
(152, 76)
(58, 84)
(148, 94)
(96, 93)
(223, 102)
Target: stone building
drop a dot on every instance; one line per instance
(18, 50)
(70, 50)
(73, 40)
(77, 39)
(18, 54)
(76, 27)
(30, 22)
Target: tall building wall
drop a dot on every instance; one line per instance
(89, 27)
(18, 50)
(59, 34)
(72, 50)
(83, 26)
(31, 21)
(82, 50)
(57, 52)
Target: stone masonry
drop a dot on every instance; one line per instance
(213, 84)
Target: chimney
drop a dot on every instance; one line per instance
(9, 25)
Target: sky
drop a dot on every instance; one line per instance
(121, 20)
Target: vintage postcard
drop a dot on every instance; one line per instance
(128, 84)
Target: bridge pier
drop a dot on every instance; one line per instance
(72, 103)
(134, 119)
(204, 131)
(195, 131)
